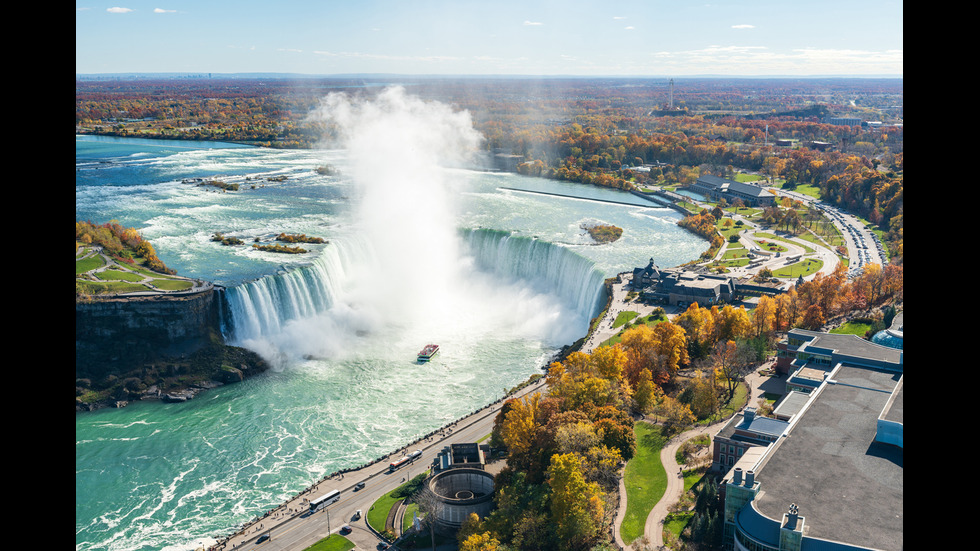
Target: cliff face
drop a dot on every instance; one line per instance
(153, 347)
(115, 333)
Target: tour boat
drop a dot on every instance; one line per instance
(426, 353)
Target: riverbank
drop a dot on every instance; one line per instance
(124, 376)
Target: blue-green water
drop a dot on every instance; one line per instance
(515, 279)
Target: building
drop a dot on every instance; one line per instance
(744, 431)
(461, 485)
(678, 287)
(716, 188)
(468, 455)
(505, 162)
(803, 350)
(834, 478)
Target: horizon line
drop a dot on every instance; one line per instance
(266, 74)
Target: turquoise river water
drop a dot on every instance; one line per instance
(501, 279)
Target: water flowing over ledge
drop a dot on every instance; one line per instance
(264, 307)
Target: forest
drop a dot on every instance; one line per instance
(564, 449)
(622, 133)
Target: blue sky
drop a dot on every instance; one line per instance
(514, 37)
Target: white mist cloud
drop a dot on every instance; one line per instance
(118, 10)
(399, 147)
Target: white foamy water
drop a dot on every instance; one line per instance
(418, 253)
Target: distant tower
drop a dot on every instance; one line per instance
(670, 104)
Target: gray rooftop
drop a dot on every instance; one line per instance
(849, 487)
(851, 348)
(726, 184)
(791, 404)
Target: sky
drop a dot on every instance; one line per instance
(492, 37)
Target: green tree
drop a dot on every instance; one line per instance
(576, 505)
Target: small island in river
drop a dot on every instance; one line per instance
(603, 233)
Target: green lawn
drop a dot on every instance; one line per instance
(624, 317)
(378, 513)
(645, 480)
(333, 542)
(88, 264)
(854, 327)
(676, 522)
(803, 268)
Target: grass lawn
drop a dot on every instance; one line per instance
(624, 317)
(378, 513)
(645, 480)
(676, 522)
(804, 268)
(88, 264)
(651, 320)
(859, 328)
(333, 542)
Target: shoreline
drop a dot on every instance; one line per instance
(435, 438)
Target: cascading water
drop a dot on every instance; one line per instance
(318, 296)
(548, 267)
(347, 320)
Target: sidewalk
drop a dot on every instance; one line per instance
(653, 529)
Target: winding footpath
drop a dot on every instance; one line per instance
(653, 528)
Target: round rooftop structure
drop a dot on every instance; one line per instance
(460, 492)
(889, 337)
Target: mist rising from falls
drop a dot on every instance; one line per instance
(509, 285)
(406, 275)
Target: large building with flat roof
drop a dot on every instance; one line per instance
(834, 478)
(716, 188)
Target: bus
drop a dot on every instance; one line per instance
(398, 463)
(394, 465)
(332, 496)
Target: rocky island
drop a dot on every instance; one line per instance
(603, 233)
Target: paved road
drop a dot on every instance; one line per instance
(292, 526)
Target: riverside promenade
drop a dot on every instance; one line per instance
(291, 526)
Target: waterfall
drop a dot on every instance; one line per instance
(317, 301)
(549, 267)
(265, 306)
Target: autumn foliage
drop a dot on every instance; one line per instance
(123, 244)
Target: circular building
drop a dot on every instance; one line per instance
(889, 337)
(459, 492)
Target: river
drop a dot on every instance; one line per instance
(415, 254)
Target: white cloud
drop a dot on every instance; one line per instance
(384, 57)
(119, 10)
(630, 28)
(532, 23)
(759, 60)
(161, 10)
(743, 26)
